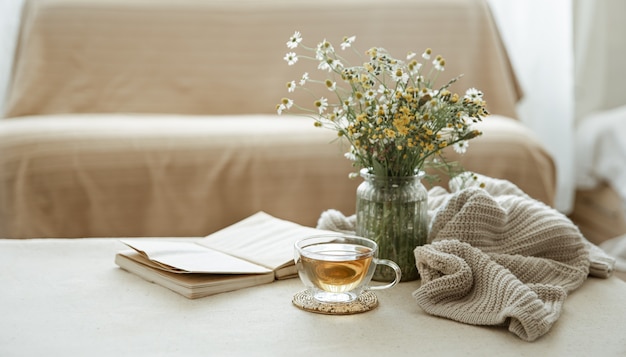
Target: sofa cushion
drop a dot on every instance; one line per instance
(88, 175)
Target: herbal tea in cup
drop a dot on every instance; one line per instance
(337, 268)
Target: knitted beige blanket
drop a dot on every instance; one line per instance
(496, 257)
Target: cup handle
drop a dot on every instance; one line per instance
(395, 268)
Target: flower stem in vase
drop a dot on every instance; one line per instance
(392, 211)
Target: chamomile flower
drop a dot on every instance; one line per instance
(321, 105)
(370, 94)
(323, 49)
(427, 53)
(439, 63)
(291, 58)
(330, 64)
(350, 155)
(347, 42)
(331, 85)
(291, 86)
(460, 147)
(348, 103)
(324, 66)
(304, 79)
(288, 103)
(399, 75)
(294, 40)
(473, 94)
(414, 67)
(337, 112)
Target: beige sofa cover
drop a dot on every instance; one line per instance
(157, 118)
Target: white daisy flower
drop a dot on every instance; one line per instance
(324, 66)
(291, 58)
(294, 40)
(285, 104)
(415, 69)
(427, 53)
(291, 86)
(336, 64)
(321, 104)
(323, 48)
(439, 64)
(305, 78)
(337, 111)
(399, 75)
(460, 147)
(370, 93)
(350, 156)
(473, 93)
(348, 103)
(330, 64)
(347, 42)
(410, 55)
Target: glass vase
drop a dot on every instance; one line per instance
(393, 212)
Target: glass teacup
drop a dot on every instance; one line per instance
(338, 268)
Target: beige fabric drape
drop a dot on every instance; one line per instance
(93, 175)
(225, 57)
(175, 175)
(134, 118)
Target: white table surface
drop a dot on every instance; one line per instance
(66, 297)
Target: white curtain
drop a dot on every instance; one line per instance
(600, 54)
(538, 35)
(10, 11)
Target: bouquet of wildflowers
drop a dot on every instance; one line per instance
(388, 109)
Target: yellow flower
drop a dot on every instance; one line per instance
(390, 134)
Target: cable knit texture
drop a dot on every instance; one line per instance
(497, 257)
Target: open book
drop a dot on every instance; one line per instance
(254, 251)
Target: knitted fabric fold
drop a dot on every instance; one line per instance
(333, 220)
(524, 257)
(462, 283)
(496, 256)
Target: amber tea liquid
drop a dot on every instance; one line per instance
(336, 267)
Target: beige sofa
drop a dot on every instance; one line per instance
(157, 118)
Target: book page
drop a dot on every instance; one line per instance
(262, 239)
(189, 257)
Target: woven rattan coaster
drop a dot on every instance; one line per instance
(365, 302)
